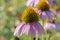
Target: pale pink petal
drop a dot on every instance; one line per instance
(36, 1)
(38, 11)
(30, 3)
(52, 26)
(21, 30)
(17, 29)
(49, 26)
(27, 29)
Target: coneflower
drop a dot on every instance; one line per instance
(29, 23)
(43, 8)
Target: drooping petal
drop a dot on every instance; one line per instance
(17, 29)
(48, 13)
(20, 31)
(38, 28)
(27, 29)
(50, 1)
(32, 30)
(44, 16)
(57, 26)
(49, 26)
(52, 26)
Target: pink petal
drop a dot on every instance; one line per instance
(44, 16)
(20, 31)
(48, 13)
(52, 26)
(49, 26)
(36, 1)
(30, 3)
(17, 29)
(38, 11)
(32, 30)
(27, 29)
(57, 26)
(38, 28)
(50, 1)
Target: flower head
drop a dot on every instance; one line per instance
(29, 24)
(29, 15)
(43, 5)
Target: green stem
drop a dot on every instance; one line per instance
(42, 37)
(36, 36)
(47, 36)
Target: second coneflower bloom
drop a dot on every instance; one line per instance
(51, 25)
(43, 8)
(29, 23)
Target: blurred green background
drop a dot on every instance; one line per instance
(10, 11)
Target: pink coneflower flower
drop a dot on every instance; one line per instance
(52, 25)
(29, 23)
(43, 8)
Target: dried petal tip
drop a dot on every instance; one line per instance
(29, 15)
